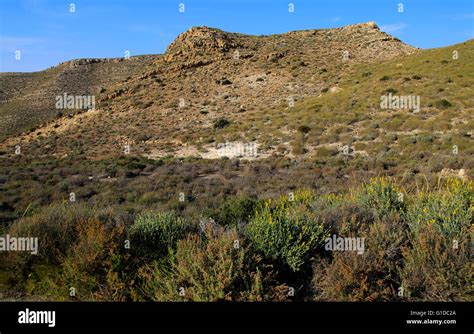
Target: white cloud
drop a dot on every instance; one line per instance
(11, 44)
(393, 27)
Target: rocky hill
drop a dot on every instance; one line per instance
(159, 103)
(273, 141)
(27, 100)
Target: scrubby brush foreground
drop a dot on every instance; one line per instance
(415, 247)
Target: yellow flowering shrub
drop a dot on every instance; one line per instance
(382, 196)
(449, 211)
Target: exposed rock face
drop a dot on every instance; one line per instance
(366, 25)
(202, 39)
(88, 61)
(448, 173)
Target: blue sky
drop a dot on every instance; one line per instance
(47, 33)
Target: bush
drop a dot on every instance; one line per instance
(390, 91)
(94, 265)
(304, 129)
(437, 263)
(55, 228)
(286, 233)
(221, 123)
(443, 104)
(297, 147)
(342, 215)
(234, 212)
(450, 212)
(153, 234)
(205, 269)
(437, 268)
(91, 269)
(371, 276)
(224, 81)
(381, 196)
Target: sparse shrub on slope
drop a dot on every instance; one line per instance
(221, 123)
(443, 104)
(286, 233)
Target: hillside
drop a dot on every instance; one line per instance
(245, 155)
(27, 100)
(159, 103)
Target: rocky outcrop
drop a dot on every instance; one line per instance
(203, 40)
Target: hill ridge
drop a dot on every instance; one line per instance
(205, 74)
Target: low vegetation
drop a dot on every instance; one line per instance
(416, 248)
(343, 199)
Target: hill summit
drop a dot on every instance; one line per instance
(205, 75)
(203, 39)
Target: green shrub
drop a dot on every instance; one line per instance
(205, 269)
(304, 129)
(224, 81)
(437, 263)
(221, 123)
(285, 233)
(390, 91)
(153, 234)
(443, 104)
(55, 228)
(234, 212)
(449, 211)
(381, 196)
